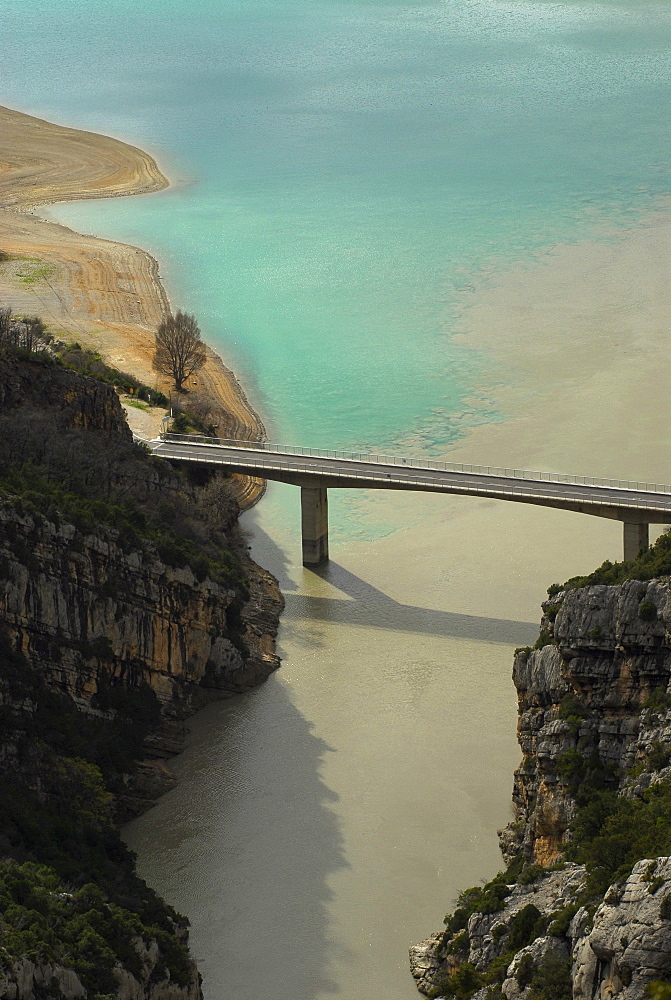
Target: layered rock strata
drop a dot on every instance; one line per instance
(594, 718)
(120, 633)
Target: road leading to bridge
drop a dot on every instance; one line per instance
(316, 471)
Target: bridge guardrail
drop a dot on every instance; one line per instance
(473, 488)
(412, 463)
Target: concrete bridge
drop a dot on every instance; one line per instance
(316, 471)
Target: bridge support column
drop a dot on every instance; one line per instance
(315, 525)
(636, 539)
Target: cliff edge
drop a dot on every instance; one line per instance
(127, 600)
(583, 909)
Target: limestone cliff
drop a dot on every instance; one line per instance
(584, 908)
(88, 613)
(608, 649)
(127, 601)
(70, 400)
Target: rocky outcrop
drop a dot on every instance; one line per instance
(28, 980)
(527, 906)
(629, 945)
(127, 601)
(85, 608)
(91, 607)
(72, 400)
(607, 650)
(594, 719)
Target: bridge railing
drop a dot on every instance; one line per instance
(414, 463)
(542, 493)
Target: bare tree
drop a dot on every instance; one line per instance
(179, 350)
(5, 324)
(34, 336)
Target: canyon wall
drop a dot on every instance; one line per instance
(583, 909)
(127, 601)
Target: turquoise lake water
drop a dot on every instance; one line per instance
(343, 171)
(343, 168)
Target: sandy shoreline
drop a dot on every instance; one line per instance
(105, 294)
(576, 341)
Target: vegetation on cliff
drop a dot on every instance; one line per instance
(653, 562)
(585, 903)
(83, 512)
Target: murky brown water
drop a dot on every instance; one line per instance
(325, 822)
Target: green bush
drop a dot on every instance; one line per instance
(81, 930)
(659, 756)
(658, 701)
(560, 924)
(647, 611)
(544, 639)
(658, 990)
(186, 422)
(572, 709)
(531, 874)
(460, 943)
(611, 833)
(497, 969)
(654, 562)
(525, 971)
(552, 980)
(458, 920)
(524, 927)
(463, 983)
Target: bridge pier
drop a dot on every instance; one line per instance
(314, 525)
(636, 539)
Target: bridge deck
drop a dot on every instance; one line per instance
(626, 501)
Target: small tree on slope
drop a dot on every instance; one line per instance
(179, 350)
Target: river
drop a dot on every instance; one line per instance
(431, 226)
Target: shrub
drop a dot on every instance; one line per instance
(460, 943)
(560, 924)
(658, 701)
(658, 990)
(572, 708)
(647, 611)
(659, 756)
(458, 920)
(544, 639)
(552, 980)
(611, 833)
(463, 983)
(496, 970)
(82, 930)
(88, 362)
(654, 562)
(187, 422)
(523, 927)
(525, 971)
